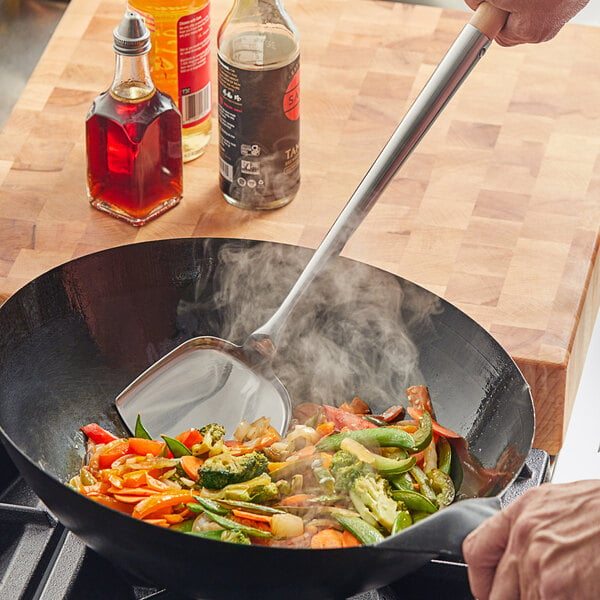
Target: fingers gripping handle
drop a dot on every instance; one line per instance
(488, 19)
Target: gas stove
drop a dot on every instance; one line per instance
(41, 560)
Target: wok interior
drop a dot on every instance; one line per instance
(71, 340)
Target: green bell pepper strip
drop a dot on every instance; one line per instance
(402, 521)
(414, 501)
(376, 436)
(361, 530)
(229, 524)
(444, 452)
(422, 437)
(176, 447)
(140, 431)
(443, 486)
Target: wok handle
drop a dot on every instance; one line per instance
(465, 52)
(442, 534)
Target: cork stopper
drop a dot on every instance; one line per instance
(131, 37)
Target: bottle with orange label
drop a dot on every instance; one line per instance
(259, 109)
(180, 63)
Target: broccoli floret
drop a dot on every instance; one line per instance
(371, 497)
(212, 440)
(225, 469)
(235, 536)
(345, 468)
(257, 490)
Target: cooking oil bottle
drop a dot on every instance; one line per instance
(180, 63)
(259, 107)
(133, 136)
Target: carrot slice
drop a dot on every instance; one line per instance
(160, 501)
(297, 500)
(244, 514)
(190, 464)
(327, 538)
(349, 540)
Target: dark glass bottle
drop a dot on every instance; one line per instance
(259, 109)
(133, 136)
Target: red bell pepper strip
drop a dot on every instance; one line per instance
(416, 414)
(346, 420)
(98, 434)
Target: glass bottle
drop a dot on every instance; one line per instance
(133, 136)
(180, 63)
(259, 106)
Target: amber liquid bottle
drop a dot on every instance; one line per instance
(133, 136)
(259, 106)
(180, 63)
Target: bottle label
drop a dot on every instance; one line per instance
(193, 58)
(180, 61)
(259, 130)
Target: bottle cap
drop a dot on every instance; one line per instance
(131, 37)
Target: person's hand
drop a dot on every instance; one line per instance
(543, 546)
(532, 21)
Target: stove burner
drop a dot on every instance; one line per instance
(41, 560)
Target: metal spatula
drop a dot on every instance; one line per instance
(207, 379)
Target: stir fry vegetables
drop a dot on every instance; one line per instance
(341, 477)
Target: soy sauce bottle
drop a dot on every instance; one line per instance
(259, 108)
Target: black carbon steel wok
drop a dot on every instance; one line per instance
(71, 340)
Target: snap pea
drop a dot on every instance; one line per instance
(361, 530)
(176, 447)
(211, 534)
(251, 506)
(402, 521)
(414, 501)
(140, 431)
(424, 484)
(209, 505)
(401, 482)
(376, 436)
(229, 524)
(184, 526)
(419, 515)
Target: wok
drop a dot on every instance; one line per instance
(71, 339)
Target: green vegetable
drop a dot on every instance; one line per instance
(383, 464)
(259, 489)
(211, 506)
(361, 530)
(403, 520)
(345, 468)
(373, 437)
(403, 481)
(229, 524)
(235, 536)
(323, 476)
(225, 469)
(414, 501)
(442, 486)
(211, 534)
(212, 440)
(184, 526)
(176, 447)
(372, 499)
(444, 452)
(140, 430)
(251, 506)
(422, 437)
(424, 484)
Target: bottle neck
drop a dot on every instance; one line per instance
(132, 81)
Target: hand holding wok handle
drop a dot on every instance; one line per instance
(462, 56)
(546, 544)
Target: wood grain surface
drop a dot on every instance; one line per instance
(498, 209)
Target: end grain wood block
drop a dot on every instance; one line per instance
(497, 210)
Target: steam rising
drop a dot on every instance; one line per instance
(349, 335)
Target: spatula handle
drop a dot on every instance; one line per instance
(465, 52)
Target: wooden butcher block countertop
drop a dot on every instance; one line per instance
(498, 209)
